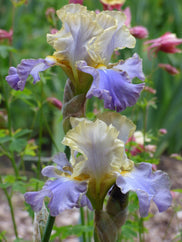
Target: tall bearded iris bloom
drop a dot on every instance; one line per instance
(98, 161)
(83, 48)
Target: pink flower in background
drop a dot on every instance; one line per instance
(150, 89)
(169, 68)
(127, 12)
(53, 31)
(162, 131)
(139, 32)
(154, 167)
(50, 11)
(138, 145)
(112, 4)
(166, 43)
(76, 1)
(6, 35)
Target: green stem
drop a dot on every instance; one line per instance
(48, 229)
(13, 162)
(12, 159)
(50, 133)
(83, 223)
(7, 106)
(88, 224)
(141, 230)
(40, 132)
(11, 209)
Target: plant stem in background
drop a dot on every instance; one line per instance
(11, 156)
(40, 131)
(11, 209)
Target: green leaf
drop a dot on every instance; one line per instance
(5, 139)
(5, 49)
(9, 179)
(2, 236)
(19, 186)
(3, 186)
(66, 231)
(4, 136)
(18, 145)
(22, 132)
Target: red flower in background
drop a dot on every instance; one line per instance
(112, 4)
(76, 1)
(6, 35)
(166, 43)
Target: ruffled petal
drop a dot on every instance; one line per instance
(64, 194)
(13, 78)
(35, 199)
(84, 201)
(62, 162)
(115, 36)
(133, 67)
(148, 186)
(17, 76)
(79, 27)
(124, 125)
(63, 167)
(101, 151)
(113, 86)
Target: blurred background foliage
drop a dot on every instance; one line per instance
(30, 25)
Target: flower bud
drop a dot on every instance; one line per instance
(139, 32)
(150, 89)
(117, 206)
(105, 229)
(162, 131)
(169, 68)
(40, 221)
(55, 102)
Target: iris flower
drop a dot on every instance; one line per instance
(98, 161)
(83, 48)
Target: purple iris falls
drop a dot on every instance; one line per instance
(17, 76)
(64, 192)
(148, 186)
(114, 85)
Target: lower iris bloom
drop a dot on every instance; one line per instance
(98, 161)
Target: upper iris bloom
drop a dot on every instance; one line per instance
(83, 48)
(98, 161)
(166, 43)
